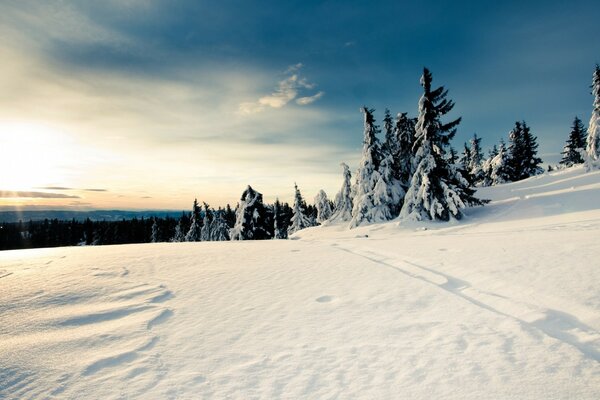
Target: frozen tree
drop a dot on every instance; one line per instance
(206, 225)
(523, 160)
(465, 159)
(155, 236)
(323, 206)
(366, 176)
(299, 219)
(193, 234)
(387, 193)
(251, 217)
(499, 168)
(452, 156)
(593, 137)
(390, 144)
(475, 159)
(573, 150)
(343, 200)
(438, 191)
(403, 157)
(279, 229)
(219, 230)
(179, 232)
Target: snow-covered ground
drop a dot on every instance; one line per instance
(504, 304)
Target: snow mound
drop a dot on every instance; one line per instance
(502, 304)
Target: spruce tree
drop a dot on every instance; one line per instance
(475, 159)
(438, 191)
(390, 144)
(523, 160)
(366, 176)
(343, 200)
(403, 158)
(299, 219)
(155, 236)
(193, 234)
(572, 153)
(279, 230)
(323, 206)
(593, 137)
(387, 193)
(500, 171)
(179, 232)
(219, 231)
(251, 217)
(205, 234)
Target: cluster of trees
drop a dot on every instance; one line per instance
(413, 173)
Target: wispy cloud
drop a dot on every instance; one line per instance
(70, 188)
(6, 194)
(287, 90)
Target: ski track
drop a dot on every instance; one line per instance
(557, 324)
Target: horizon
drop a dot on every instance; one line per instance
(140, 106)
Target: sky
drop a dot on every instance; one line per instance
(135, 104)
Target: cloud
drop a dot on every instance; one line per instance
(310, 99)
(286, 91)
(5, 194)
(70, 188)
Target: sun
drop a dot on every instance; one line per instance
(31, 155)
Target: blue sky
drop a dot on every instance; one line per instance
(158, 102)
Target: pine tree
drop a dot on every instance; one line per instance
(403, 158)
(299, 219)
(343, 201)
(387, 193)
(366, 176)
(279, 230)
(523, 160)
(572, 153)
(155, 236)
(438, 191)
(390, 144)
(251, 217)
(465, 159)
(194, 232)
(205, 234)
(452, 156)
(593, 137)
(219, 231)
(500, 171)
(179, 232)
(475, 159)
(323, 206)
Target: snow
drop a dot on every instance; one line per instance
(502, 304)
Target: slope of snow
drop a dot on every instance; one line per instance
(504, 304)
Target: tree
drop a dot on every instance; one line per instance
(390, 144)
(573, 151)
(475, 159)
(403, 158)
(437, 191)
(323, 206)
(251, 217)
(366, 176)
(193, 234)
(343, 201)
(299, 219)
(523, 160)
(465, 159)
(205, 234)
(219, 230)
(179, 232)
(155, 236)
(499, 166)
(279, 228)
(387, 193)
(593, 137)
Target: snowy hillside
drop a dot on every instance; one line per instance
(504, 304)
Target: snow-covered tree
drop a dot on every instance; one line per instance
(155, 236)
(251, 217)
(387, 193)
(593, 137)
(499, 166)
(523, 160)
(452, 156)
(465, 159)
(179, 232)
(438, 191)
(193, 234)
(219, 231)
(299, 219)
(390, 143)
(323, 206)
(403, 157)
(572, 153)
(366, 176)
(343, 200)
(205, 234)
(475, 159)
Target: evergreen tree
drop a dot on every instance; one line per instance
(193, 234)
(403, 157)
(572, 153)
(500, 171)
(387, 193)
(438, 191)
(343, 200)
(366, 176)
(523, 160)
(475, 159)
(390, 145)
(179, 232)
(155, 237)
(452, 156)
(593, 137)
(465, 159)
(299, 219)
(205, 234)
(219, 231)
(323, 206)
(279, 230)
(251, 217)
